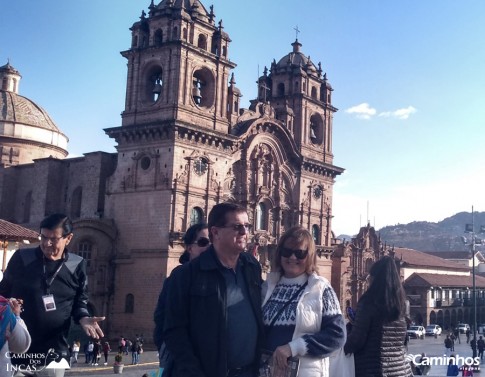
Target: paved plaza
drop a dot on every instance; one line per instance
(149, 360)
(148, 364)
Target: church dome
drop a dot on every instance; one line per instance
(27, 132)
(192, 7)
(296, 59)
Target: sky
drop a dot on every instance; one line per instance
(407, 77)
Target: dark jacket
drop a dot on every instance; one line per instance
(195, 320)
(24, 278)
(159, 314)
(378, 347)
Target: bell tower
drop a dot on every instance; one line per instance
(174, 143)
(178, 67)
(302, 99)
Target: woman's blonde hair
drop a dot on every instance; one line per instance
(301, 236)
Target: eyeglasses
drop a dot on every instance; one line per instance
(202, 242)
(53, 240)
(299, 254)
(240, 228)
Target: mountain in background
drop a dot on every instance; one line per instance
(446, 235)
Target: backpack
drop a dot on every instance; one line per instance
(448, 343)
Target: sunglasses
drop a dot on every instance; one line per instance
(202, 242)
(299, 254)
(240, 228)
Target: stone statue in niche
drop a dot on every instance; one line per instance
(264, 165)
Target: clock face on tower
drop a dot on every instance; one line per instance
(200, 166)
(317, 192)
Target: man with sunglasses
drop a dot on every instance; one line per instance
(213, 325)
(53, 286)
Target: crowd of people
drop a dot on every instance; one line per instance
(215, 315)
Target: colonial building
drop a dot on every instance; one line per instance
(185, 144)
(445, 299)
(439, 291)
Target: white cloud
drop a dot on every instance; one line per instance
(399, 113)
(362, 111)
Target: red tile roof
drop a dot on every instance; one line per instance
(14, 232)
(414, 258)
(442, 280)
(449, 255)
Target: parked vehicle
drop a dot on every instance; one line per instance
(434, 330)
(416, 332)
(462, 327)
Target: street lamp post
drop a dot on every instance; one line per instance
(470, 228)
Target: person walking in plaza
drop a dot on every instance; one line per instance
(452, 369)
(468, 333)
(473, 345)
(291, 291)
(53, 285)
(466, 371)
(213, 325)
(76, 345)
(86, 352)
(106, 351)
(96, 353)
(379, 329)
(456, 332)
(453, 338)
(134, 353)
(448, 345)
(480, 346)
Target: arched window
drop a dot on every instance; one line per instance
(368, 264)
(202, 42)
(175, 33)
(184, 32)
(154, 84)
(261, 216)
(196, 216)
(76, 200)
(158, 40)
(224, 51)
(4, 84)
(85, 250)
(134, 41)
(314, 92)
(203, 88)
(27, 203)
(316, 234)
(129, 303)
(316, 129)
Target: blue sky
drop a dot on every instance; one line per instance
(408, 80)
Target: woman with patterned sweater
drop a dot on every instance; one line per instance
(379, 330)
(301, 312)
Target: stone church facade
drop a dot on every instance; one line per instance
(184, 145)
